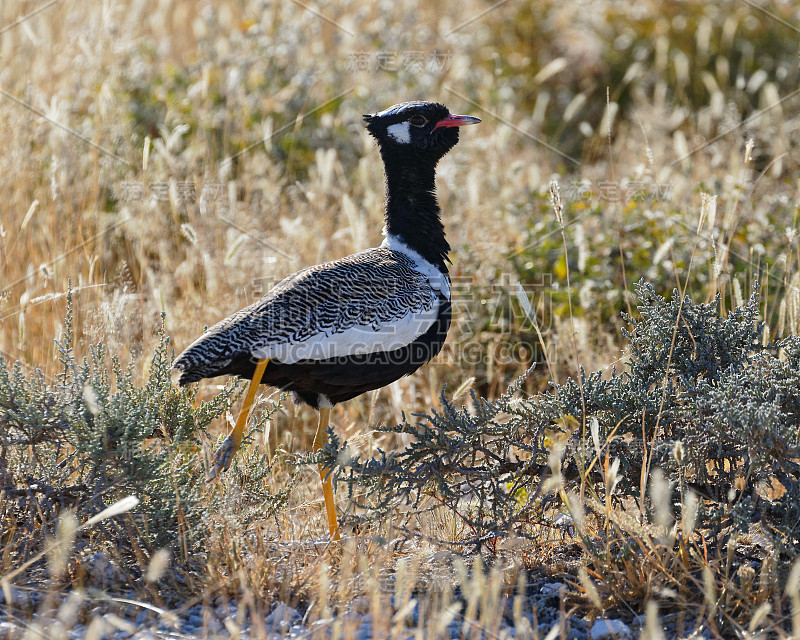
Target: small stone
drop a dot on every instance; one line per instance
(605, 629)
(99, 568)
(563, 521)
(442, 556)
(214, 625)
(195, 619)
(282, 617)
(576, 633)
(551, 588)
(223, 612)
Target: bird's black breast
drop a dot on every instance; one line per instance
(342, 378)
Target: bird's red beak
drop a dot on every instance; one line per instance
(456, 121)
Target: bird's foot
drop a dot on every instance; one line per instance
(222, 458)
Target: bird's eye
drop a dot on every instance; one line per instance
(418, 121)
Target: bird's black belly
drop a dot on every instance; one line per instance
(346, 377)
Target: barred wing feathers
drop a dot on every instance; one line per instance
(375, 300)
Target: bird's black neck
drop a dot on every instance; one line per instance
(412, 211)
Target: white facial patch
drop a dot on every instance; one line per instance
(400, 132)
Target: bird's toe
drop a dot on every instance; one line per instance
(222, 458)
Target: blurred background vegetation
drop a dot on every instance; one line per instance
(181, 157)
(178, 157)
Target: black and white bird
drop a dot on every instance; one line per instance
(336, 330)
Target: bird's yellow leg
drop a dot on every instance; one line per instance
(324, 474)
(224, 455)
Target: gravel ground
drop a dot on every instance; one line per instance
(220, 621)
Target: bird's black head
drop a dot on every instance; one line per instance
(418, 127)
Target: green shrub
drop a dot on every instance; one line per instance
(700, 398)
(476, 461)
(93, 436)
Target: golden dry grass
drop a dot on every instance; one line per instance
(112, 114)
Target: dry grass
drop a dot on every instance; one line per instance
(258, 107)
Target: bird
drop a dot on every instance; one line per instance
(333, 331)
